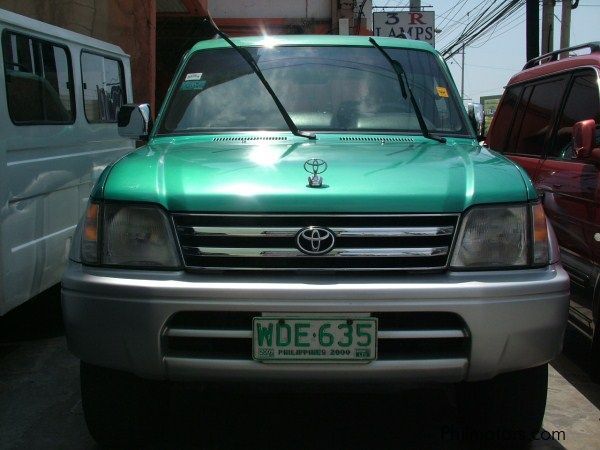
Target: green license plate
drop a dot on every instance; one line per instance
(312, 339)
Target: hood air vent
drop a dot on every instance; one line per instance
(245, 139)
(383, 140)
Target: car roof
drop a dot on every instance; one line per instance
(549, 68)
(315, 40)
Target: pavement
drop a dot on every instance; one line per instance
(40, 406)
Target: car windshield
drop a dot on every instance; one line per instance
(324, 89)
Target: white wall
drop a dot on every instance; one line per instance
(287, 9)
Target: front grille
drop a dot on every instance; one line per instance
(401, 336)
(362, 242)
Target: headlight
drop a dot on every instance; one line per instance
(128, 235)
(502, 236)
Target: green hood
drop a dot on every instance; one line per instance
(199, 174)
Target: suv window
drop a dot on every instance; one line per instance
(39, 81)
(103, 87)
(504, 117)
(582, 103)
(533, 121)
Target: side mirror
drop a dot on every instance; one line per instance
(135, 121)
(584, 136)
(476, 115)
(595, 155)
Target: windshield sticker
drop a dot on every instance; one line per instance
(193, 85)
(193, 76)
(442, 92)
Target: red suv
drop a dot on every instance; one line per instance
(547, 122)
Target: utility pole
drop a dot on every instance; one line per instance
(565, 25)
(533, 29)
(548, 26)
(415, 5)
(462, 74)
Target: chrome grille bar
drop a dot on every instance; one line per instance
(336, 252)
(338, 231)
(394, 334)
(362, 242)
(422, 334)
(199, 333)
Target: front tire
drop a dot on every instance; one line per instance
(122, 410)
(508, 408)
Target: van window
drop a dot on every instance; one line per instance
(504, 117)
(39, 81)
(533, 121)
(103, 87)
(582, 104)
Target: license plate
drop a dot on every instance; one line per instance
(310, 339)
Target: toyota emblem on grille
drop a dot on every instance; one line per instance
(315, 240)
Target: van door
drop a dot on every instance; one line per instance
(570, 185)
(530, 134)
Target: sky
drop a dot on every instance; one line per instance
(490, 63)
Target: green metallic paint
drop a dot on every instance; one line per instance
(532, 193)
(313, 40)
(97, 193)
(194, 173)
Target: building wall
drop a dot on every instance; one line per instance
(249, 17)
(255, 17)
(270, 9)
(130, 24)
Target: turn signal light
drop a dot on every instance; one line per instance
(89, 244)
(90, 230)
(540, 235)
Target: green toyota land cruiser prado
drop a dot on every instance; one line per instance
(312, 209)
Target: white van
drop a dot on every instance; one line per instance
(59, 96)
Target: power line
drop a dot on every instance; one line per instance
(501, 29)
(481, 26)
(506, 30)
(494, 67)
(450, 31)
(461, 4)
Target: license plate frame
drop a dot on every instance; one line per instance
(314, 352)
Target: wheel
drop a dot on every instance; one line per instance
(508, 408)
(595, 356)
(122, 410)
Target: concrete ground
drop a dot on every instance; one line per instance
(40, 406)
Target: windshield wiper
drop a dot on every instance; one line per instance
(254, 66)
(405, 88)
